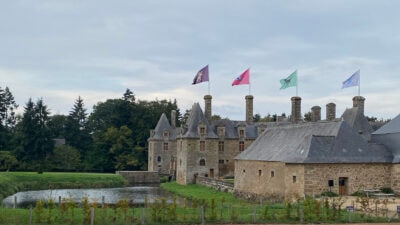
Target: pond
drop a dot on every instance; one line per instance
(135, 195)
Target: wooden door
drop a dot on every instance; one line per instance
(211, 173)
(342, 185)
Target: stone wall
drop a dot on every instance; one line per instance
(358, 177)
(140, 177)
(215, 183)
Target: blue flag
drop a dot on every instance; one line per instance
(353, 80)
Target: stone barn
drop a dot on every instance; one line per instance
(310, 158)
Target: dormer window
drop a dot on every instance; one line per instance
(166, 134)
(241, 133)
(202, 130)
(221, 131)
(165, 146)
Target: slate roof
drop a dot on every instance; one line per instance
(197, 117)
(163, 125)
(357, 120)
(319, 142)
(231, 128)
(391, 127)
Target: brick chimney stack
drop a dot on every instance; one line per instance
(207, 107)
(249, 108)
(358, 101)
(315, 113)
(330, 111)
(296, 109)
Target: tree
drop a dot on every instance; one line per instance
(33, 136)
(7, 160)
(77, 132)
(7, 118)
(65, 158)
(308, 116)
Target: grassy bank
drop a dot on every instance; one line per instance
(12, 182)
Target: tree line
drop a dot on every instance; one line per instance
(112, 137)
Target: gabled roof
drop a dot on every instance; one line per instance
(391, 127)
(197, 117)
(358, 122)
(319, 142)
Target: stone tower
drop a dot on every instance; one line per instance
(296, 109)
(249, 108)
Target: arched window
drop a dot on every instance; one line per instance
(202, 162)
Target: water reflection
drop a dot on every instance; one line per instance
(111, 195)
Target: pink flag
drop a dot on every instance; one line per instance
(244, 78)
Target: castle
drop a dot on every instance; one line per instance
(282, 158)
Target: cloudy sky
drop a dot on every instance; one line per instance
(96, 49)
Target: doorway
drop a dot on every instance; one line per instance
(211, 173)
(343, 185)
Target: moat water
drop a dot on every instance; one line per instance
(134, 195)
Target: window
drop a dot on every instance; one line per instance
(221, 146)
(180, 162)
(165, 146)
(259, 172)
(294, 178)
(241, 146)
(202, 162)
(202, 145)
(202, 130)
(221, 131)
(221, 161)
(158, 158)
(165, 134)
(272, 173)
(241, 133)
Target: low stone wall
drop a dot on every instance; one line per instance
(214, 183)
(140, 177)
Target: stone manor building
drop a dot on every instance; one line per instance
(201, 147)
(289, 157)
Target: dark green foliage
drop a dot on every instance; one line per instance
(387, 190)
(329, 194)
(7, 160)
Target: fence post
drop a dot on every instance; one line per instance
(15, 202)
(30, 215)
(143, 216)
(59, 200)
(92, 216)
(254, 214)
(102, 201)
(203, 220)
(301, 214)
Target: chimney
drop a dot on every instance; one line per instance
(173, 118)
(296, 109)
(330, 111)
(358, 101)
(315, 113)
(207, 107)
(249, 108)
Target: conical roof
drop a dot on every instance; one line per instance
(196, 118)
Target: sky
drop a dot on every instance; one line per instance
(96, 49)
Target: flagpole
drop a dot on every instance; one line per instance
(359, 83)
(208, 87)
(297, 84)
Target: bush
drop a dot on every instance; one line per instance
(387, 190)
(359, 194)
(329, 194)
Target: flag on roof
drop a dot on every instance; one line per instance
(353, 80)
(201, 76)
(244, 78)
(289, 81)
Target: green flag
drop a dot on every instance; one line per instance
(290, 81)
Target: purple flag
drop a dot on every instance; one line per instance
(201, 76)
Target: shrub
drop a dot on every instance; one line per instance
(387, 190)
(329, 194)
